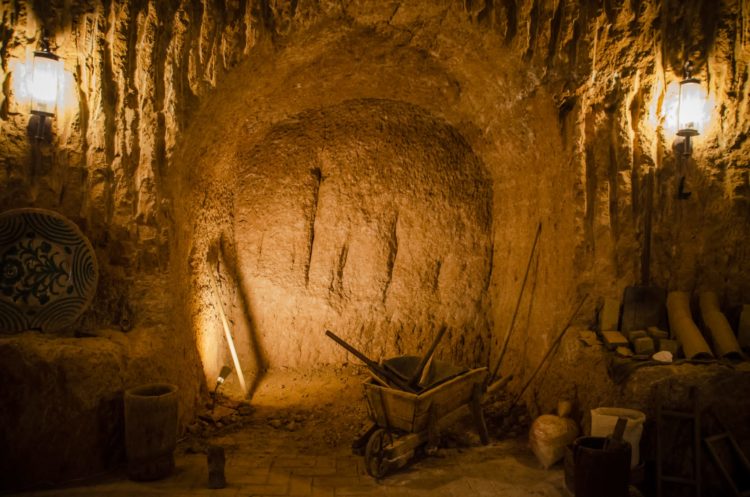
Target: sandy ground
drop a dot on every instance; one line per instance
(303, 415)
(313, 413)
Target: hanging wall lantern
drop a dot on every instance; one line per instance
(46, 76)
(690, 109)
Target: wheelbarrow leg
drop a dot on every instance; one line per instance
(433, 432)
(476, 411)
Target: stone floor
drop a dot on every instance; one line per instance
(505, 468)
(266, 457)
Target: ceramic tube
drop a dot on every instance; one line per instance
(683, 326)
(724, 342)
(743, 330)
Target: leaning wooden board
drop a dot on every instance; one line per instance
(395, 409)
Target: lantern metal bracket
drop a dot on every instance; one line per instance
(681, 193)
(687, 69)
(687, 145)
(44, 42)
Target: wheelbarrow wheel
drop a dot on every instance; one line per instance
(375, 460)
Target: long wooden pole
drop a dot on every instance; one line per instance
(227, 333)
(518, 305)
(549, 351)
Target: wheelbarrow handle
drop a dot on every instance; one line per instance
(378, 370)
(499, 384)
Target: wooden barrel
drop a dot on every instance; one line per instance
(150, 430)
(602, 467)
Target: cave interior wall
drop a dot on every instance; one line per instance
(185, 121)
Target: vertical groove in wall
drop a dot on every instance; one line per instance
(160, 60)
(613, 175)
(590, 198)
(9, 15)
(129, 117)
(142, 78)
(533, 26)
(511, 12)
(337, 284)
(436, 276)
(317, 179)
(392, 244)
(555, 27)
(102, 159)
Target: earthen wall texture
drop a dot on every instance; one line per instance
(566, 105)
(562, 103)
(377, 168)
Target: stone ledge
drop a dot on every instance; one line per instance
(61, 414)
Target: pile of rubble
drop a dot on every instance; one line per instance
(222, 417)
(334, 425)
(504, 421)
(289, 421)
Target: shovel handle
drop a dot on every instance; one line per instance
(420, 368)
(498, 384)
(646, 254)
(622, 422)
(617, 435)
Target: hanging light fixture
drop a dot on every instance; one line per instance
(45, 80)
(690, 109)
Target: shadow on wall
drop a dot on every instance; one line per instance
(250, 353)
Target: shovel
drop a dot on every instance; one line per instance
(382, 375)
(419, 375)
(644, 305)
(617, 434)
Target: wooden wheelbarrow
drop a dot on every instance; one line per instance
(411, 399)
(404, 421)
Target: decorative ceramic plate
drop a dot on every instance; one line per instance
(48, 271)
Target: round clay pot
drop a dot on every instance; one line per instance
(150, 430)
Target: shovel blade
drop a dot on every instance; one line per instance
(643, 306)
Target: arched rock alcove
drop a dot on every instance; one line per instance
(359, 181)
(371, 218)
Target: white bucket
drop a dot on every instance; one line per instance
(604, 419)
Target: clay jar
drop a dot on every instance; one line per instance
(150, 430)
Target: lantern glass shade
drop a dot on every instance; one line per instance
(691, 107)
(45, 82)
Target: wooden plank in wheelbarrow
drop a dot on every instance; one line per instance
(446, 397)
(395, 409)
(402, 447)
(390, 408)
